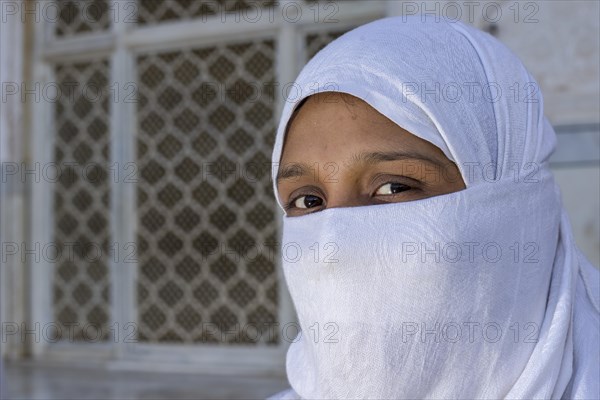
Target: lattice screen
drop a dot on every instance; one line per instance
(157, 11)
(81, 200)
(316, 41)
(82, 16)
(206, 210)
(207, 235)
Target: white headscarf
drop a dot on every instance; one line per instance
(480, 293)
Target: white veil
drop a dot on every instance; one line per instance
(480, 293)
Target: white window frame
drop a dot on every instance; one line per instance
(122, 43)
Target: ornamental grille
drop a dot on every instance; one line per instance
(206, 218)
(206, 214)
(81, 200)
(80, 16)
(157, 11)
(88, 16)
(316, 41)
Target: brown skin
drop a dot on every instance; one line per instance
(341, 152)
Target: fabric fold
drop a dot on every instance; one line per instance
(480, 293)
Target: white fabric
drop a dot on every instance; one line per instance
(480, 293)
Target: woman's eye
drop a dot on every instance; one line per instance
(308, 201)
(391, 188)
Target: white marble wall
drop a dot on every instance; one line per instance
(561, 51)
(559, 42)
(11, 193)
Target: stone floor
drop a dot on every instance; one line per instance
(25, 380)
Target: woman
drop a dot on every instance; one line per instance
(425, 245)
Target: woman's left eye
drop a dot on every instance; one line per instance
(391, 188)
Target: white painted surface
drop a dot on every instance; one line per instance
(12, 307)
(581, 197)
(559, 43)
(561, 50)
(46, 381)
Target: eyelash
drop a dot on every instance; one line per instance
(290, 204)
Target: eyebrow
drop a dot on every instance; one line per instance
(295, 170)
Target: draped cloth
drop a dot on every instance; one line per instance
(480, 293)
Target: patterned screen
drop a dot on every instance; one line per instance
(316, 41)
(81, 201)
(80, 16)
(207, 226)
(157, 11)
(206, 218)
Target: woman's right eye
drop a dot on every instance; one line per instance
(308, 201)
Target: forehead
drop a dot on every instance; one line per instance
(333, 107)
(335, 125)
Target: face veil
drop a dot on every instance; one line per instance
(480, 293)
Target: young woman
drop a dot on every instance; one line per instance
(425, 245)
